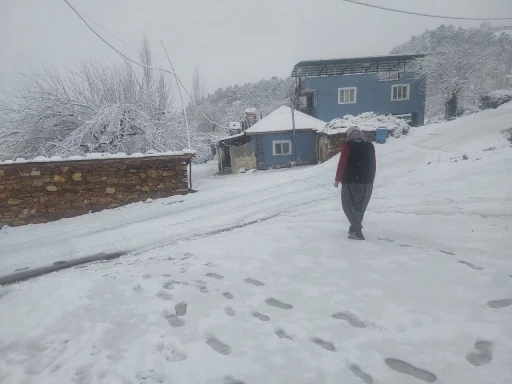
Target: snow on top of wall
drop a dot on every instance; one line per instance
(368, 121)
(97, 156)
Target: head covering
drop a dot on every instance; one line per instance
(355, 134)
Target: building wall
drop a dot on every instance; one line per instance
(242, 156)
(372, 96)
(305, 148)
(32, 193)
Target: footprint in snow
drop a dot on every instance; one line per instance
(138, 289)
(218, 346)
(260, 316)
(164, 296)
(282, 334)
(325, 344)
(358, 372)
(59, 263)
(481, 355)
(350, 318)
(500, 303)
(169, 285)
(174, 355)
(173, 320)
(232, 380)
(386, 239)
(181, 309)
(170, 352)
(255, 282)
(278, 304)
(470, 265)
(214, 275)
(229, 311)
(447, 252)
(21, 269)
(202, 288)
(210, 264)
(146, 276)
(228, 295)
(409, 369)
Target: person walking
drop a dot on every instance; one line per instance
(356, 173)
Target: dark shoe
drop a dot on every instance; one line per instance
(351, 230)
(357, 235)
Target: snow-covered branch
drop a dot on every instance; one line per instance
(93, 107)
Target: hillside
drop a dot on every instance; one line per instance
(230, 103)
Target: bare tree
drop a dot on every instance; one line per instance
(459, 70)
(198, 88)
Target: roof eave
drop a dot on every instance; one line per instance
(288, 130)
(355, 60)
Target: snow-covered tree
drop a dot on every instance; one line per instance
(92, 107)
(198, 87)
(460, 65)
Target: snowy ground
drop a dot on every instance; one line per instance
(252, 280)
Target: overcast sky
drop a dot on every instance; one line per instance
(232, 41)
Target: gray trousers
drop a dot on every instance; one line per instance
(354, 200)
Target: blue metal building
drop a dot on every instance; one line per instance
(275, 143)
(385, 85)
(271, 143)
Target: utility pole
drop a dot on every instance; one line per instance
(293, 127)
(181, 97)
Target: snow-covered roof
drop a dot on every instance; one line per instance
(281, 121)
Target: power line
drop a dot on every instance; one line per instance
(179, 90)
(357, 2)
(139, 64)
(114, 48)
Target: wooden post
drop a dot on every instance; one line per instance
(294, 138)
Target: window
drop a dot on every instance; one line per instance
(400, 92)
(347, 95)
(315, 99)
(282, 148)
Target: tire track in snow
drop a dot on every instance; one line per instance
(57, 266)
(29, 274)
(110, 246)
(78, 233)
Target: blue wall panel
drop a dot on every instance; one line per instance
(305, 147)
(372, 96)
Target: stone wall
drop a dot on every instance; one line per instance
(38, 192)
(328, 146)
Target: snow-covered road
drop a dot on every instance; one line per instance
(252, 279)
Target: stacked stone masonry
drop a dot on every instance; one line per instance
(34, 192)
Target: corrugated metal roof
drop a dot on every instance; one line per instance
(354, 65)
